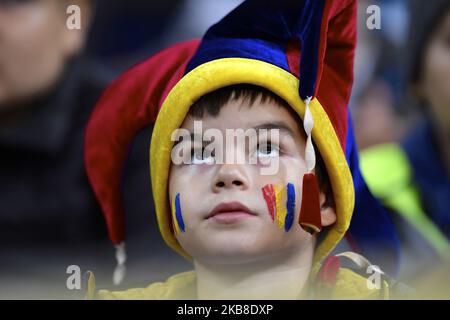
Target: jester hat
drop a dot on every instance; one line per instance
(302, 51)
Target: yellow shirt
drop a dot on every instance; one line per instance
(348, 285)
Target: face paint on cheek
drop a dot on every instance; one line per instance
(281, 204)
(177, 217)
(290, 207)
(280, 199)
(269, 196)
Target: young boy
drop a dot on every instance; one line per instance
(251, 227)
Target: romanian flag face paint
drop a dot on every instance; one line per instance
(177, 217)
(269, 196)
(290, 207)
(281, 204)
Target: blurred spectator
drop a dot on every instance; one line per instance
(413, 177)
(35, 48)
(49, 83)
(47, 89)
(378, 75)
(375, 118)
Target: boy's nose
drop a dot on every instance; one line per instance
(230, 176)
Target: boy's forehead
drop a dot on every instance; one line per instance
(242, 115)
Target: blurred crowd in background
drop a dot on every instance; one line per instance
(51, 78)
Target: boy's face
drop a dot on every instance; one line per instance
(233, 235)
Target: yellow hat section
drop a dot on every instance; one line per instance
(230, 71)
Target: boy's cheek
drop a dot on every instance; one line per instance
(191, 177)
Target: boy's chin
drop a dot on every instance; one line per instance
(231, 258)
(233, 253)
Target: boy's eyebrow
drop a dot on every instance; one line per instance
(275, 125)
(263, 126)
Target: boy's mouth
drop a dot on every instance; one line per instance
(228, 212)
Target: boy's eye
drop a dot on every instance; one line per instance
(265, 150)
(198, 157)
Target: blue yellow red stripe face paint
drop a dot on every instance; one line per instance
(269, 196)
(177, 217)
(290, 207)
(280, 202)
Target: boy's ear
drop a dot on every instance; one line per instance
(327, 210)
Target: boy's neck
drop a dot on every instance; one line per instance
(281, 278)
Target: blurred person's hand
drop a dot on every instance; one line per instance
(35, 45)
